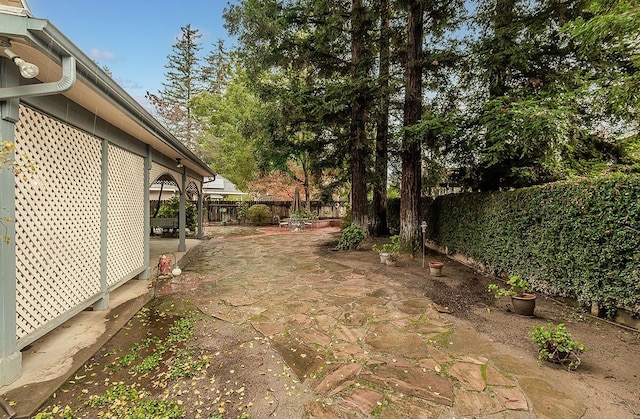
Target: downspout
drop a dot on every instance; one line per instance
(43, 89)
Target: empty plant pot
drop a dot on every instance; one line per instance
(524, 305)
(435, 268)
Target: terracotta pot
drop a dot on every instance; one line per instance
(524, 305)
(435, 268)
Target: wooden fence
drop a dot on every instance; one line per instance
(227, 211)
(217, 211)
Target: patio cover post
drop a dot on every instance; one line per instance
(103, 303)
(182, 218)
(200, 234)
(146, 274)
(10, 356)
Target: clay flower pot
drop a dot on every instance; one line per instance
(435, 268)
(524, 305)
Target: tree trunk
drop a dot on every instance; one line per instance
(411, 150)
(379, 205)
(359, 143)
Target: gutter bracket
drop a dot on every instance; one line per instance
(65, 83)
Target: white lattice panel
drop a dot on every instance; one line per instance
(193, 186)
(125, 225)
(57, 220)
(158, 170)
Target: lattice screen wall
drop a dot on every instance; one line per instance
(57, 220)
(158, 170)
(125, 225)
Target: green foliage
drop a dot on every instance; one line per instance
(351, 238)
(243, 211)
(260, 214)
(516, 288)
(181, 331)
(576, 238)
(392, 247)
(234, 131)
(304, 213)
(555, 345)
(135, 405)
(171, 209)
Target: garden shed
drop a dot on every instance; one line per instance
(76, 227)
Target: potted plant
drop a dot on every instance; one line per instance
(519, 290)
(555, 345)
(389, 250)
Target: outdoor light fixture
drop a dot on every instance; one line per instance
(423, 227)
(179, 163)
(27, 70)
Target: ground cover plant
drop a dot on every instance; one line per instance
(157, 361)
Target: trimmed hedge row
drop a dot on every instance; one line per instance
(578, 239)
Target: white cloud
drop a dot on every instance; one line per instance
(98, 54)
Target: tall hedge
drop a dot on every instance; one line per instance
(578, 239)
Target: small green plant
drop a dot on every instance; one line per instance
(133, 404)
(351, 238)
(304, 213)
(555, 345)
(171, 209)
(259, 214)
(516, 287)
(392, 247)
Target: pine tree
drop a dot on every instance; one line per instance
(183, 82)
(216, 72)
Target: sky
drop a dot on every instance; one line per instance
(133, 38)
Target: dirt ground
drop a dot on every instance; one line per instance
(226, 369)
(609, 374)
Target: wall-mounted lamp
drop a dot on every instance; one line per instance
(179, 163)
(27, 70)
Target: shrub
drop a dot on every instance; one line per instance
(171, 209)
(243, 211)
(259, 214)
(576, 238)
(351, 238)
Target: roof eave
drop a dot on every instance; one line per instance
(48, 40)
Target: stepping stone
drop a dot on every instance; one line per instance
(363, 400)
(512, 398)
(412, 381)
(495, 378)
(472, 403)
(332, 382)
(268, 328)
(386, 338)
(469, 375)
(302, 359)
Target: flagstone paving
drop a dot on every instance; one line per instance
(360, 340)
